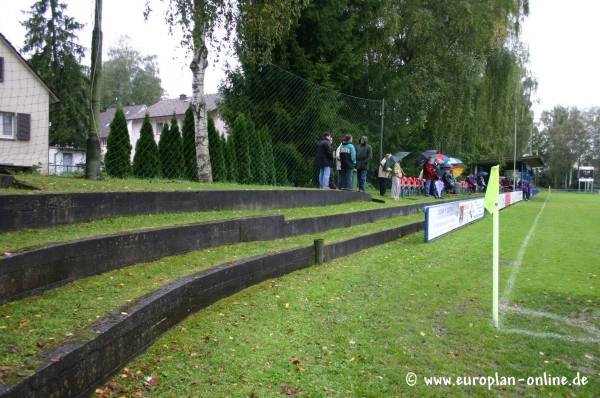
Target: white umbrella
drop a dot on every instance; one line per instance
(454, 161)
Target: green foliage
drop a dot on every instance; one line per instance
(216, 150)
(269, 160)
(450, 74)
(190, 168)
(51, 39)
(170, 150)
(260, 157)
(241, 132)
(145, 161)
(288, 162)
(118, 147)
(231, 159)
(129, 77)
(568, 137)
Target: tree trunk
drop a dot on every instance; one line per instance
(198, 67)
(93, 153)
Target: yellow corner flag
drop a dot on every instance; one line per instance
(491, 194)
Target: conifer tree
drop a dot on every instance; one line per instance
(231, 159)
(240, 131)
(190, 168)
(118, 147)
(269, 160)
(217, 158)
(51, 39)
(145, 160)
(259, 161)
(170, 150)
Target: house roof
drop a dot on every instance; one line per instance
(53, 97)
(131, 112)
(178, 106)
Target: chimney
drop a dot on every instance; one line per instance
(182, 97)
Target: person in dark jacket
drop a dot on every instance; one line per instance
(471, 184)
(348, 162)
(364, 154)
(324, 160)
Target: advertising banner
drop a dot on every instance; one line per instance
(446, 217)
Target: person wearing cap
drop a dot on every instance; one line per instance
(384, 174)
(348, 163)
(324, 160)
(429, 175)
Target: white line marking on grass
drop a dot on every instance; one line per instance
(517, 264)
(553, 335)
(510, 285)
(588, 328)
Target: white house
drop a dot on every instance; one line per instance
(24, 111)
(162, 112)
(159, 113)
(66, 160)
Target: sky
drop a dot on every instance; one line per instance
(561, 37)
(123, 17)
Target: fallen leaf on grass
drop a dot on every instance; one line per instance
(422, 334)
(541, 353)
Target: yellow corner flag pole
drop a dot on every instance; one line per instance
(491, 204)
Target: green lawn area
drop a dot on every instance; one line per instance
(30, 326)
(69, 184)
(359, 325)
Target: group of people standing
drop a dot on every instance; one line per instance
(347, 158)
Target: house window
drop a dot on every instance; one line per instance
(1, 69)
(7, 125)
(159, 128)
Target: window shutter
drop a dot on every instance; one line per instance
(23, 126)
(1, 69)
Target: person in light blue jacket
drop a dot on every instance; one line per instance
(348, 163)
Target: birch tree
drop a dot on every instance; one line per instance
(210, 23)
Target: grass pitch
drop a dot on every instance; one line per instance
(370, 324)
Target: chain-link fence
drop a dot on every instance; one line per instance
(263, 128)
(291, 114)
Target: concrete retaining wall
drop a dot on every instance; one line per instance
(47, 210)
(32, 272)
(121, 338)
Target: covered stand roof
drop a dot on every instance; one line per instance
(532, 161)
